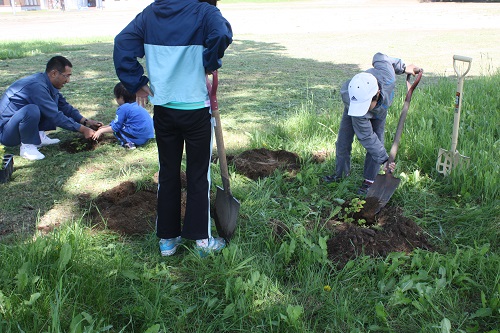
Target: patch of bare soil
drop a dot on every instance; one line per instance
(259, 163)
(125, 209)
(388, 231)
(131, 211)
(80, 144)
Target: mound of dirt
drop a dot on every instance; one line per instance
(320, 156)
(259, 163)
(129, 211)
(390, 232)
(124, 210)
(80, 144)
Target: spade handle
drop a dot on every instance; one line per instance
(219, 139)
(404, 112)
(458, 97)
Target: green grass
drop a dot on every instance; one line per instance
(13, 50)
(77, 279)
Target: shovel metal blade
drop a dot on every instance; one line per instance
(381, 191)
(226, 213)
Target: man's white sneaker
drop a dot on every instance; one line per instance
(46, 140)
(30, 152)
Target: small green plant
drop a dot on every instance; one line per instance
(260, 283)
(79, 145)
(355, 206)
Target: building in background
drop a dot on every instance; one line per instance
(23, 5)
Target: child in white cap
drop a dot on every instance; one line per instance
(367, 97)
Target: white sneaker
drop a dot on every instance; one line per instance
(30, 152)
(46, 140)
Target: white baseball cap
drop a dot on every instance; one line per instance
(362, 88)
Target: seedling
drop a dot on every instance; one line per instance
(79, 145)
(355, 206)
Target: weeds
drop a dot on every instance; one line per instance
(77, 279)
(13, 50)
(354, 206)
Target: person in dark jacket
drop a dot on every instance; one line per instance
(33, 105)
(183, 41)
(367, 98)
(132, 125)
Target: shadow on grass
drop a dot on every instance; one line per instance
(259, 84)
(16, 50)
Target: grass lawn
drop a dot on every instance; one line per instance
(78, 278)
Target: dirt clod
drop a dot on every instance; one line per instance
(130, 211)
(124, 210)
(279, 229)
(258, 163)
(320, 156)
(390, 232)
(80, 144)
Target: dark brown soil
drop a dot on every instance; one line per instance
(129, 211)
(80, 144)
(389, 231)
(126, 210)
(258, 163)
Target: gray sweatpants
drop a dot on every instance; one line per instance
(344, 147)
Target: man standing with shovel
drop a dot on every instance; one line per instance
(182, 40)
(367, 98)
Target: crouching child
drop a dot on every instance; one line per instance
(132, 126)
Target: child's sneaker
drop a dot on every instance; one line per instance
(332, 179)
(209, 245)
(365, 186)
(169, 246)
(129, 145)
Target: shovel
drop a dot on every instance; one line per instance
(385, 185)
(226, 206)
(447, 160)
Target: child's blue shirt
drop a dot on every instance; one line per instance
(135, 122)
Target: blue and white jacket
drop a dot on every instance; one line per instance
(181, 39)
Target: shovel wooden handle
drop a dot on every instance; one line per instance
(458, 97)
(404, 112)
(219, 139)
